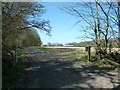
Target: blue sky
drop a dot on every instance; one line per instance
(62, 25)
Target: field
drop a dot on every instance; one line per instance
(79, 48)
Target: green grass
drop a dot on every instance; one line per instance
(13, 73)
(105, 62)
(78, 56)
(20, 53)
(117, 68)
(42, 48)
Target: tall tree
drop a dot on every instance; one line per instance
(97, 17)
(18, 28)
(17, 16)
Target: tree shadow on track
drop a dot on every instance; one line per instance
(54, 73)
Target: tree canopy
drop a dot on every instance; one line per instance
(17, 17)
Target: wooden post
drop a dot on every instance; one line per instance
(89, 53)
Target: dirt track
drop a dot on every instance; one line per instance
(48, 70)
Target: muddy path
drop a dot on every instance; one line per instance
(50, 70)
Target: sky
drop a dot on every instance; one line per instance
(63, 29)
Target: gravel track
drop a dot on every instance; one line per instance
(48, 70)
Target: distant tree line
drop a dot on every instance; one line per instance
(55, 44)
(92, 43)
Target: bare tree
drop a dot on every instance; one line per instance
(97, 17)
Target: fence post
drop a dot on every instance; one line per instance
(88, 49)
(89, 53)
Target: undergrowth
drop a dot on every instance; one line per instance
(11, 70)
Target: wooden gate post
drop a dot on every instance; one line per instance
(89, 53)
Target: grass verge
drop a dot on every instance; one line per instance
(82, 56)
(79, 56)
(42, 48)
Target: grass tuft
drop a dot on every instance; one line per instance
(42, 48)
